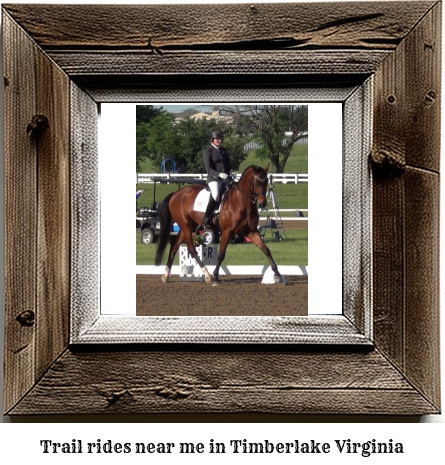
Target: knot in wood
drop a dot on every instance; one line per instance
(114, 397)
(113, 394)
(26, 318)
(387, 163)
(430, 97)
(173, 393)
(37, 126)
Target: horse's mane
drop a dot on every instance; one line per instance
(254, 167)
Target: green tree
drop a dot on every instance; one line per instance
(160, 141)
(186, 141)
(276, 127)
(192, 138)
(144, 114)
(234, 143)
(142, 132)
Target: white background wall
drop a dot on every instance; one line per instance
(117, 147)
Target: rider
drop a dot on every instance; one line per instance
(218, 168)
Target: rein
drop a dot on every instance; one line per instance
(251, 197)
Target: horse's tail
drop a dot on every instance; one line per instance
(164, 233)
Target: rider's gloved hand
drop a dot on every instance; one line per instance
(223, 175)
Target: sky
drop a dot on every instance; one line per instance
(181, 108)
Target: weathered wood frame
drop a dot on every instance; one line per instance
(92, 324)
(69, 60)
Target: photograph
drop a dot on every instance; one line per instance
(222, 210)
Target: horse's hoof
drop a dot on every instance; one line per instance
(215, 283)
(164, 279)
(279, 280)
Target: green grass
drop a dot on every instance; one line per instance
(149, 195)
(292, 250)
(287, 195)
(296, 163)
(147, 166)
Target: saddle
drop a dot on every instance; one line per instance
(202, 200)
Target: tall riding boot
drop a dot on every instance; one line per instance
(209, 211)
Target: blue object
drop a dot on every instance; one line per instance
(163, 170)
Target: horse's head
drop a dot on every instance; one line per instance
(259, 184)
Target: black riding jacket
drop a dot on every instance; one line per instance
(216, 161)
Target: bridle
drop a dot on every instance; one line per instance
(252, 197)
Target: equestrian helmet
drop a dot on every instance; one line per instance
(216, 134)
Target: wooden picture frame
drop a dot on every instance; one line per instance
(56, 72)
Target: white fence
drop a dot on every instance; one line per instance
(256, 145)
(282, 211)
(150, 178)
(229, 270)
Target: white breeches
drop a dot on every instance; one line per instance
(215, 189)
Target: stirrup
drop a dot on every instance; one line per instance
(208, 222)
(205, 224)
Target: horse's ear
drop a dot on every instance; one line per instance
(267, 168)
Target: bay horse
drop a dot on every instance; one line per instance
(238, 215)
